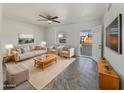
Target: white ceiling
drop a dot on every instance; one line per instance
(68, 13)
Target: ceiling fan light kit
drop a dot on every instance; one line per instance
(49, 22)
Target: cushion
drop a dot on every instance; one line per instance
(22, 50)
(66, 48)
(65, 52)
(32, 47)
(19, 50)
(16, 68)
(39, 52)
(26, 48)
(26, 55)
(37, 47)
(54, 47)
(53, 50)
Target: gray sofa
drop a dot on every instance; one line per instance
(27, 51)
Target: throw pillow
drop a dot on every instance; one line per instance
(22, 50)
(32, 47)
(54, 47)
(26, 48)
(66, 48)
(37, 47)
(19, 50)
(43, 48)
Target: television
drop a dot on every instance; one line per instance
(114, 35)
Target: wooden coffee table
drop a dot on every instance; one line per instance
(45, 60)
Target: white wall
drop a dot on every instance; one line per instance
(73, 33)
(11, 29)
(116, 60)
(1, 75)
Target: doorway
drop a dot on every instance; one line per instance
(86, 43)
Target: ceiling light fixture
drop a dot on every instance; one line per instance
(49, 22)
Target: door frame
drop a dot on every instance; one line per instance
(101, 44)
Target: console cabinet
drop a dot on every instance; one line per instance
(107, 80)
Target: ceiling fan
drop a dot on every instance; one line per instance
(49, 19)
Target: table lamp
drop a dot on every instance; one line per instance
(43, 44)
(9, 47)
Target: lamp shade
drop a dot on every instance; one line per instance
(43, 43)
(8, 46)
(49, 22)
(60, 36)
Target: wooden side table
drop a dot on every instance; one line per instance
(7, 58)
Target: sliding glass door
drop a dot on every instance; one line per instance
(86, 43)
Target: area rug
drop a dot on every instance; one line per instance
(39, 78)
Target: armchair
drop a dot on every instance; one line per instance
(67, 52)
(53, 49)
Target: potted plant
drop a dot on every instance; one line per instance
(108, 68)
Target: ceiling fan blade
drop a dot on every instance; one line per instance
(56, 21)
(42, 20)
(42, 16)
(53, 17)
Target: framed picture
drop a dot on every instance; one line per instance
(25, 38)
(62, 38)
(114, 35)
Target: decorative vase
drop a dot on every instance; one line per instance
(103, 60)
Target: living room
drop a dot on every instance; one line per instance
(20, 21)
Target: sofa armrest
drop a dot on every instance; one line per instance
(16, 55)
(71, 52)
